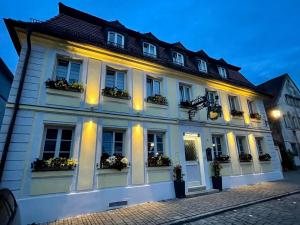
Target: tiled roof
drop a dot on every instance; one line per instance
(78, 26)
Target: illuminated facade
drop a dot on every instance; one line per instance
(132, 106)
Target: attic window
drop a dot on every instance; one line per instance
(178, 58)
(115, 39)
(202, 66)
(149, 49)
(222, 72)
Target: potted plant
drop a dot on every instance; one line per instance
(158, 161)
(245, 157)
(179, 184)
(216, 178)
(256, 116)
(265, 157)
(223, 158)
(115, 161)
(237, 113)
(53, 164)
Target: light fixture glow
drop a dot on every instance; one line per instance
(276, 113)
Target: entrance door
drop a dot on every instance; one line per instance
(193, 176)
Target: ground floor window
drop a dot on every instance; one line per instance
(241, 145)
(112, 142)
(259, 145)
(217, 143)
(57, 142)
(155, 144)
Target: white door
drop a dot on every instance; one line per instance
(193, 176)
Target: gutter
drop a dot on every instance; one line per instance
(16, 106)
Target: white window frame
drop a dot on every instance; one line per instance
(176, 58)
(146, 51)
(251, 106)
(259, 145)
(116, 77)
(152, 85)
(115, 42)
(222, 72)
(155, 133)
(114, 131)
(222, 144)
(244, 144)
(214, 94)
(70, 60)
(185, 87)
(58, 140)
(235, 102)
(202, 65)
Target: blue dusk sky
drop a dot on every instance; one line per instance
(262, 37)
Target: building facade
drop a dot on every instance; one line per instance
(134, 103)
(285, 130)
(6, 79)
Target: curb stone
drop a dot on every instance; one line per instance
(226, 209)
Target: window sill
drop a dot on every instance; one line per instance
(52, 173)
(155, 105)
(115, 99)
(154, 168)
(237, 117)
(111, 171)
(265, 162)
(72, 94)
(225, 162)
(246, 162)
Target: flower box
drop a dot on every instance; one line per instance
(186, 104)
(115, 93)
(246, 157)
(157, 99)
(64, 85)
(159, 161)
(237, 113)
(256, 116)
(53, 164)
(116, 161)
(223, 158)
(264, 157)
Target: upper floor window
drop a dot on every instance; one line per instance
(67, 69)
(217, 143)
(116, 39)
(178, 58)
(149, 49)
(185, 92)
(112, 142)
(115, 78)
(222, 72)
(259, 145)
(233, 102)
(202, 66)
(241, 144)
(155, 144)
(57, 142)
(153, 86)
(252, 107)
(287, 121)
(211, 96)
(294, 149)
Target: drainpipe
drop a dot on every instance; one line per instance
(16, 106)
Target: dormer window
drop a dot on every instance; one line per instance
(202, 66)
(149, 49)
(116, 39)
(178, 58)
(222, 72)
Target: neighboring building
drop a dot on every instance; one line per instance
(144, 115)
(285, 130)
(6, 79)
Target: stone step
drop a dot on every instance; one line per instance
(201, 193)
(197, 188)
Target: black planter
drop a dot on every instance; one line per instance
(217, 182)
(179, 187)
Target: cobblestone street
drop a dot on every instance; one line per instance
(284, 211)
(178, 210)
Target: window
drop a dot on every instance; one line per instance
(233, 102)
(217, 145)
(287, 121)
(153, 87)
(202, 66)
(251, 106)
(178, 58)
(149, 49)
(211, 96)
(259, 145)
(155, 144)
(222, 72)
(115, 39)
(112, 142)
(57, 142)
(67, 69)
(115, 78)
(294, 149)
(241, 144)
(185, 92)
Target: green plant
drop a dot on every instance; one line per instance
(237, 113)
(264, 157)
(53, 164)
(256, 116)
(216, 168)
(223, 158)
(113, 162)
(115, 93)
(157, 99)
(245, 157)
(64, 85)
(160, 160)
(177, 173)
(186, 104)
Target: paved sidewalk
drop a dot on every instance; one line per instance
(173, 211)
